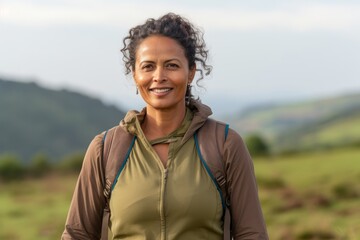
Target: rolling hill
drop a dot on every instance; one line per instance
(340, 130)
(320, 123)
(34, 119)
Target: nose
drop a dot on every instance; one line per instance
(159, 75)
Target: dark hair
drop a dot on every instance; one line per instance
(173, 26)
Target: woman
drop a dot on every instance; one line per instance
(164, 190)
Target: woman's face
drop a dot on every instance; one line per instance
(162, 73)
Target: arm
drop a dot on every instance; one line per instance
(86, 210)
(246, 216)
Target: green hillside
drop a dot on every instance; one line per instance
(34, 119)
(341, 130)
(312, 124)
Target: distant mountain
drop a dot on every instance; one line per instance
(35, 119)
(326, 122)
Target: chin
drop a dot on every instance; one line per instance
(165, 106)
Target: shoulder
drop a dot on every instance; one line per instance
(236, 151)
(234, 137)
(217, 126)
(214, 122)
(233, 143)
(96, 143)
(223, 136)
(223, 130)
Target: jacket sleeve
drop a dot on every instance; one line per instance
(247, 221)
(84, 218)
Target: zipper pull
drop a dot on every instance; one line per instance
(165, 173)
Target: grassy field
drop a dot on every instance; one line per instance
(35, 209)
(311, 196)
(306, 196)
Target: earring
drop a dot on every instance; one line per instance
(137, 90)
(188, 95)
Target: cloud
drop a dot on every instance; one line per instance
(306, 17)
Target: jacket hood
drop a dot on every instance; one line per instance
(201, 113)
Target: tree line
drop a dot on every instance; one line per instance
(13, 168)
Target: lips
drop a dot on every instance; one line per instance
(160, 90)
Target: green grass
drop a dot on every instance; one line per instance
(319, 194)
(311, 169)
(35, 209)
(305, 196)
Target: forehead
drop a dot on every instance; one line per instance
(157, 46)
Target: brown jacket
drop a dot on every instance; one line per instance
(85, 215)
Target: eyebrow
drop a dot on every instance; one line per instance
(166, 61)
(173, 59)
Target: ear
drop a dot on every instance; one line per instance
(133, 76)
(133, 73)
(192, 73)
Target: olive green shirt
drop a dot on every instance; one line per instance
(179, 201)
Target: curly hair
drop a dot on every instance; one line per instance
(173, 26)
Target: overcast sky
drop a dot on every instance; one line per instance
(260, 50)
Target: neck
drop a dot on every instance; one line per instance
(159, 123)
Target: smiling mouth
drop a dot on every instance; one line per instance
(160, 90)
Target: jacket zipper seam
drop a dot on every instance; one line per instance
(162, 205)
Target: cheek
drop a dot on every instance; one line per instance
(141, 79)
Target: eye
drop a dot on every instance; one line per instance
(147, 67)
(172, 66)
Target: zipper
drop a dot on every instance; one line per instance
(162, 206)
(164, 171)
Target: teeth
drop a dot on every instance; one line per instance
(160, 90)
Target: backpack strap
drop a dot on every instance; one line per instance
(212, 135)
(117, 145)
(107, 141)
(108, 137)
